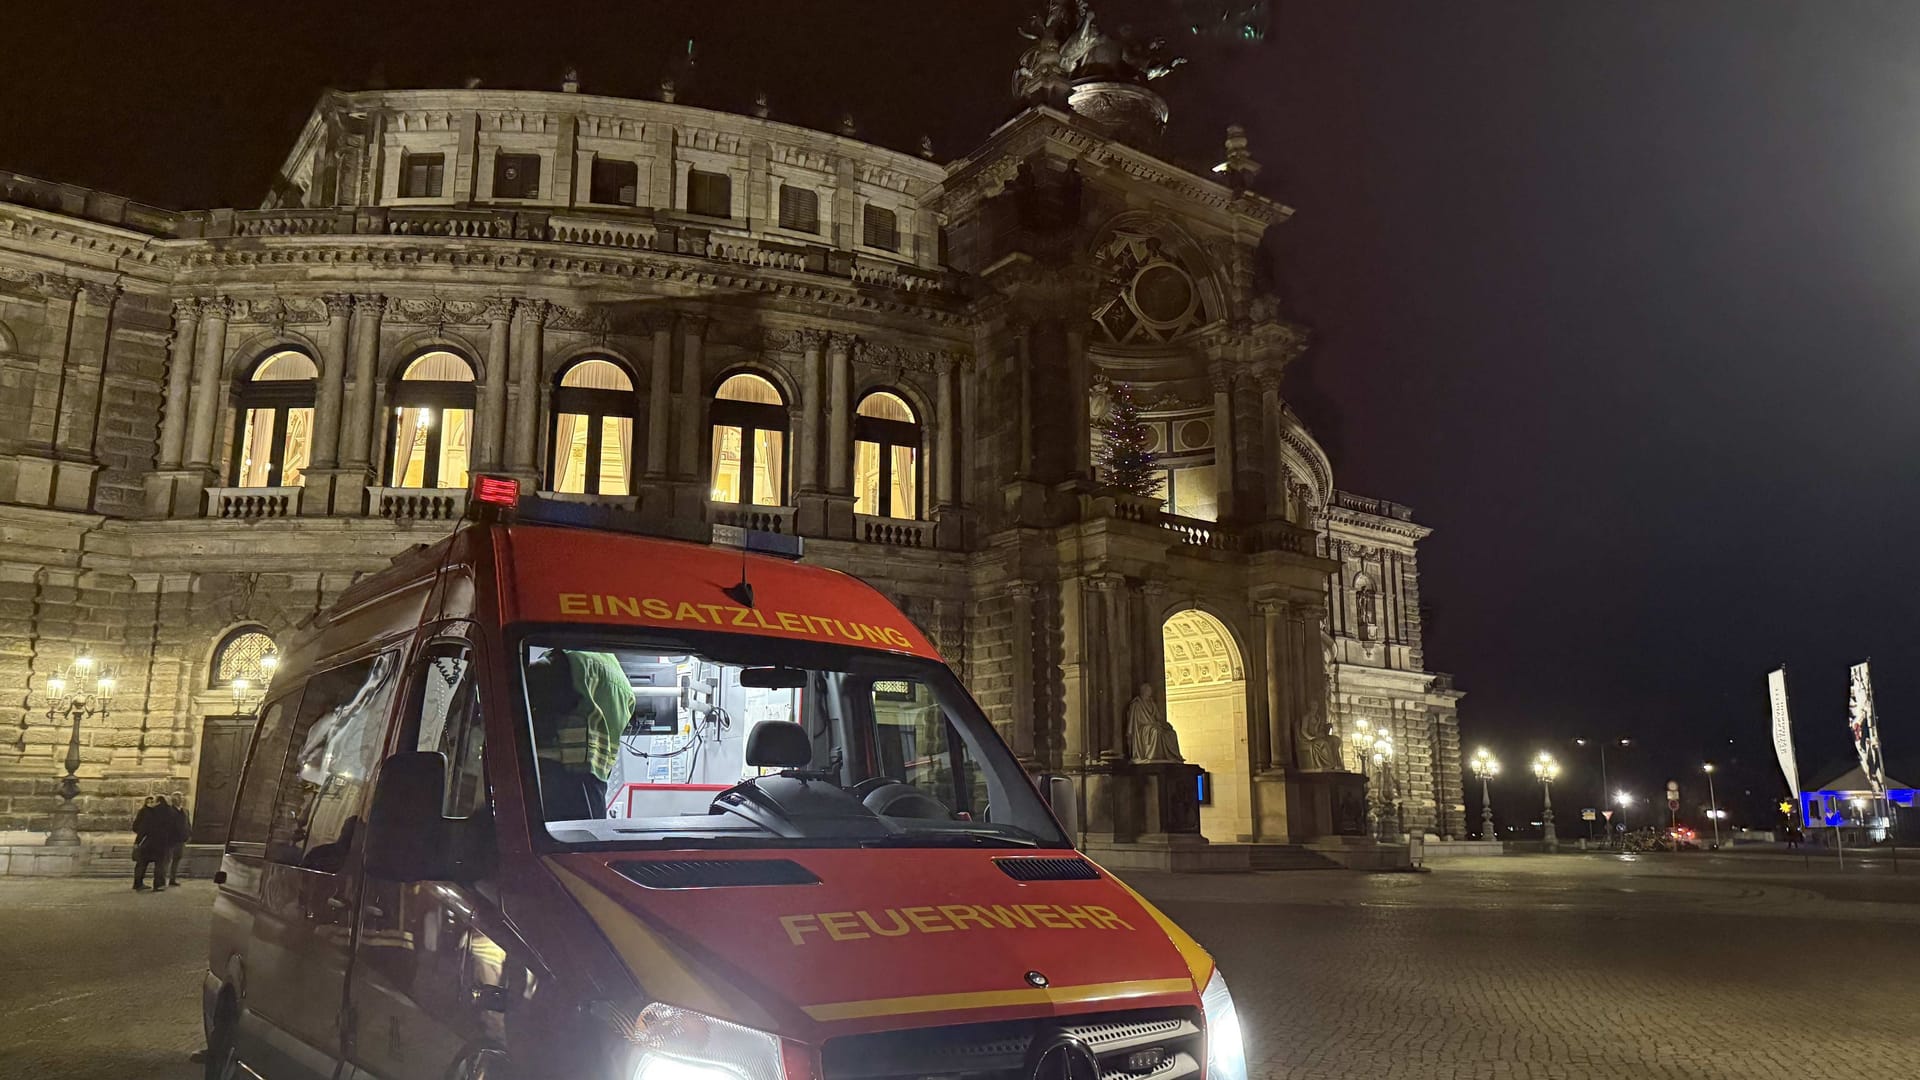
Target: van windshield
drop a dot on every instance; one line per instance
(716, 740)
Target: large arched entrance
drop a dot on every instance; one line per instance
(1207, 705)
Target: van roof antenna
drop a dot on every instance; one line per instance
(743, 592)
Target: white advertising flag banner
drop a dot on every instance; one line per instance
(1783, 730)
(1866, 729)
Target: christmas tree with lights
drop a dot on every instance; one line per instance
(1125, 462)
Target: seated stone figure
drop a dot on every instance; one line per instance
(1153, 738)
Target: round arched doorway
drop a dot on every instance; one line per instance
(1207, 706)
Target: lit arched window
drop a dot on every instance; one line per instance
(431, 442)
(886, 457)
(245, 653)
(749, 424)
(591, 430)
(273, 422)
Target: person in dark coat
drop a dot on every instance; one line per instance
(151, 826)
(182, 830)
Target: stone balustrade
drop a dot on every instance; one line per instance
(773, 519)
(253, 503)
(417, 504)
(893, 532)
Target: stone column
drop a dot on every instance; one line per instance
(180, 359)
(1276, 473)
(333, 381)
(1080, 405)
(1278, 748)
(693, 401)
(206, 383)
(529, 345)
(1106, 649)
(1025, 741)
(491, 445)
(357, 440)
(840, 414)
(946, 428)
(1221, 377)
(659, 397)
(810, 433)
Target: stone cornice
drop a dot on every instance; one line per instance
(984, 172)
(1405, 530)
(193, 257)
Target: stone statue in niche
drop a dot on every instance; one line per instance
(1153, 738)
(1316, 747)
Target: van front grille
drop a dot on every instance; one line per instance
(1156, 1045)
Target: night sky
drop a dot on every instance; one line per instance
(1616, 296)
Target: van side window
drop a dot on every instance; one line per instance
(448, 704)
(254, 807)
(337, 740)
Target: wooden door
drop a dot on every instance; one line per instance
(223, 753)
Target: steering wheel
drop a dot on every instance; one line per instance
(892, 798)
(872, 784)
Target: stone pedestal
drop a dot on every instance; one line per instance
(1322, 804)
(176, 493)
(1146, 803)
(317, 498)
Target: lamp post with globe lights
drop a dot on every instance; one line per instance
(1375, 748)
(80, 692)
(1486, 767)
(247, 695)
(1546, 770)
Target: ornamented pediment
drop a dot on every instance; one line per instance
(1150, 296)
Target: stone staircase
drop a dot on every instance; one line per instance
(1287, 857)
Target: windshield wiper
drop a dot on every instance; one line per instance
(947, 838)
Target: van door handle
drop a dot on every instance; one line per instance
(336, 903)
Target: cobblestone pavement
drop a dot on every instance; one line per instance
(1568, 967)
(1512, 968)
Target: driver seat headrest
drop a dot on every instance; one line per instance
(779, 744)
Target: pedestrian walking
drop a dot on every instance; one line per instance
(182, 830)
(151, 827)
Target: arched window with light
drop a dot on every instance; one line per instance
(244, 663)
(430, 444)
(749, 422)
(273, 421)
(591, 429)
(886, 457)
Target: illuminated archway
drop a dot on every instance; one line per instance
(1207, 705)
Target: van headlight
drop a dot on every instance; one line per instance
(680, 1044)
(1226, 1054)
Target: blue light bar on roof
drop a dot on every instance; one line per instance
(778, 545)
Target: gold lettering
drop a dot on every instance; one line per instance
(573, 603)
(1048, 916)
(740, 615)
(898, 638)
(1077, 915)
(687, 613)
(798, 925)
(617, 604)
(840, 926)
(1108, 918)
(713, 614)
(925, 920)
(900, 927)
(761, 619)
(656, 608)
(962, 914)
(598, 607)
(1007, 916)
(787, 621)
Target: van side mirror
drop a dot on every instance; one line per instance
(407, 838)
(1060, 798)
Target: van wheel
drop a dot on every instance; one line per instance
(223, 1060)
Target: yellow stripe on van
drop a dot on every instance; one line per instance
(654, 963)
(1199, 961)
(994, 999)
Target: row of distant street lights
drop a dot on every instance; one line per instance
(1546, 770)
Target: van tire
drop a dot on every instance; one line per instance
(222, 1059)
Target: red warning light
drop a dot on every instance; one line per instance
(497, 490)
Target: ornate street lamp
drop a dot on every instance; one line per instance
(247, 696)
(1486, 767)
(1545, 770)
(1375, 748)
(82, 691)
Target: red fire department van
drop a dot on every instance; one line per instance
(552, 801)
